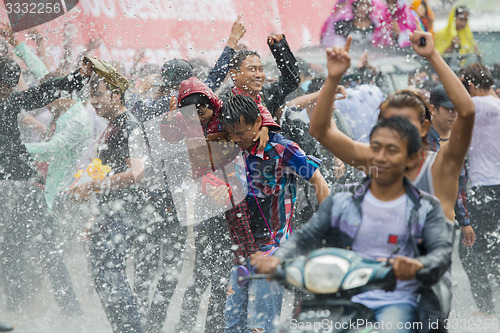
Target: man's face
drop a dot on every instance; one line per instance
(250, 77)
(444, 118)
(243, 134)
(388, 157)
(101, 99)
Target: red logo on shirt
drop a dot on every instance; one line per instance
(393, 239)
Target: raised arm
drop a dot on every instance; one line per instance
(304, 101)
(34, 64)
(452, 156)
(322, 126)
(47, 92)
(287, 64)
(219, 72)
(41, 46)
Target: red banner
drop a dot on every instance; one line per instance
(184, 29)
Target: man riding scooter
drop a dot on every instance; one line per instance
(374, 218)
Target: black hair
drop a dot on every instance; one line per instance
(478, 75)
(357, 3)
(197, 99)
(239, 57)
(461, 10)
(9, 72)
(149, 69)
(405, 129)
(236, 106)
(411, 99)
(200, 68)
(315, 85)
(495, 70)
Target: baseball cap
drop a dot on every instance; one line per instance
(109, 74)
(439, 98)
(175, 71)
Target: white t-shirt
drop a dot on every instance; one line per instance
(484, 151)
(384, 227)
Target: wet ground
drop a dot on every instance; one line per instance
(42, 314)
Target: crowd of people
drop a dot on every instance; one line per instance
(133, 161)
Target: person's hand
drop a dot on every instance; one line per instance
(338, 59)
(416, 39)
(274, 39)
(70, 31)
(339, 168)
(34, 34)
(341, 93)
(363, 60)
(263, 137)
(80, 193)
(219, 195)
(145, 84)
(364, 63)
(468, 235)
(86, 69)
(93, 44)
(139, 56)
(237, 32)
(172, 109)
(264, 264)
(406, 268)
(8, 34)
(172, 103)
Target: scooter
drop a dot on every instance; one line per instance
(332, 276)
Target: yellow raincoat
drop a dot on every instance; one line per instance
(444, 37)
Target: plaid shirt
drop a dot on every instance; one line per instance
(238, 221)
(461, 212)
(272, 187)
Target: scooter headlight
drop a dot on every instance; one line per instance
(324, 274)
(357, 278)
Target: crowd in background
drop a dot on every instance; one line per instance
(54, 123)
